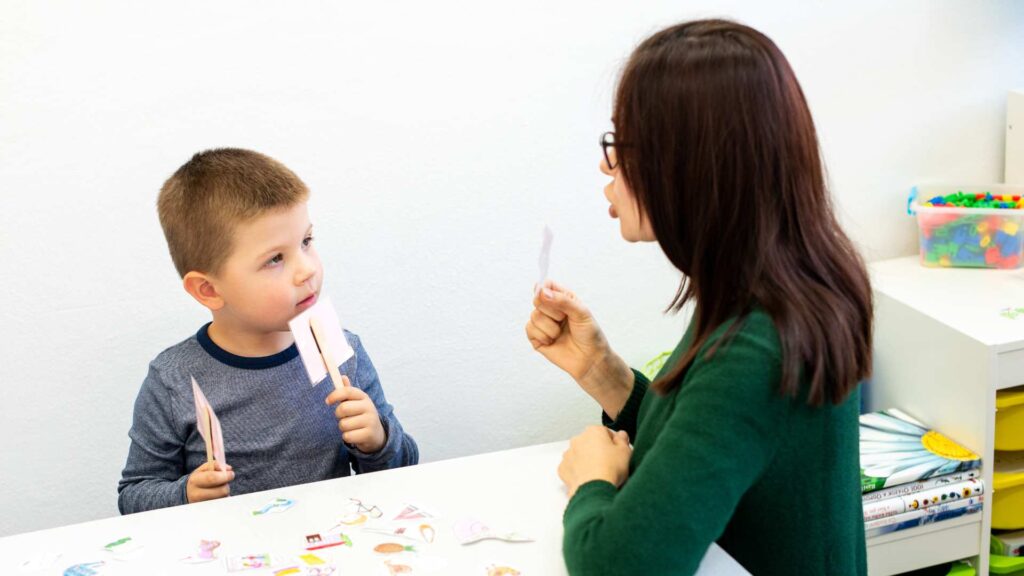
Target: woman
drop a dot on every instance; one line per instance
(748, 436)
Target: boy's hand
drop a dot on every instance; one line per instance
(357, 418)
(209, 482)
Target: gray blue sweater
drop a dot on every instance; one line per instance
(277, 429)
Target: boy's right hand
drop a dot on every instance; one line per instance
(209, 482)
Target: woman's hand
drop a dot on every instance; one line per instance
(596, 454)
(563, 331)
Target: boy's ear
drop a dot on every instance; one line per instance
(201, 287)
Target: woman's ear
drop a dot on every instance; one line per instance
(201, 287)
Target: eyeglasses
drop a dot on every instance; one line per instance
(608, 141)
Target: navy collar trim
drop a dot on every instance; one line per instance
(243, 362)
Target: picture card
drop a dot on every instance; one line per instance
(334, 345)
(209, 427)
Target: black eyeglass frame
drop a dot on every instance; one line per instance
(608, 141)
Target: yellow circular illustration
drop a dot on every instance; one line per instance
(941, 446)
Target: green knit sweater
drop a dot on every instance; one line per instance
(725, 458)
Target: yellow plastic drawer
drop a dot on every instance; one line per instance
(1010, 420)
(1008, 491)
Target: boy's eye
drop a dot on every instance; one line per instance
(277, 259)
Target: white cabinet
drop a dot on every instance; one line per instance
(942, 350)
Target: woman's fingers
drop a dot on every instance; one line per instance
(545, 324)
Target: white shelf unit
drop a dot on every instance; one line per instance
(942, 350)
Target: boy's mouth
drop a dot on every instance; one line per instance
(307, 302)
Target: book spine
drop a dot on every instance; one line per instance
(920, 485)
(920, 517)
(884, 509)
(923, 499)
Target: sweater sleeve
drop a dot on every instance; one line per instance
(154, 475)
(719, 438)
(399, 448)
(627, 417)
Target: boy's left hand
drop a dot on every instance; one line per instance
(596, 454)
(357, 418)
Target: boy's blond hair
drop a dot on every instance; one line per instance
(203, 201)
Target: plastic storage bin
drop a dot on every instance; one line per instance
(1008, 491)
(1005, 564)
(1010, 420)
(970, 237)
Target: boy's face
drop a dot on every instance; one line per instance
(272, 274)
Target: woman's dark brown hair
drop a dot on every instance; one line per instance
(717, 143)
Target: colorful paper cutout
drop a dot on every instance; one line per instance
(276, 506)
(358, 514)
(324, 570)
(205, 553)
(470, 530)
(411, 512)
(417, 532)
(336, 345)
(496, 570)
(392, 548)
(312, 559)
(250, 562)
(208, 425)
(413, 565)
(317, 542)
(428, 533)
(86, 569)
(123, 547)
(394, 568)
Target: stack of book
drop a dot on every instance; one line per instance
(911, 475)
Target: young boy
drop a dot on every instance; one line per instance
(239, 235)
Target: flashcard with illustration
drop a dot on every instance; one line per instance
(330, 343)
(470, 530)
(411, 512)
(501, 569)
(312, 560)
(413, 565)
(322, 570)
(327, 540)
(205, 553)
(545, 258)
(417, 531)
(86, 569)
(275, 506)
(123, 548)
(358, 513)
(208, 425)
(249, 562)
(389, 548)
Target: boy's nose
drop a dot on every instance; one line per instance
(306, 271)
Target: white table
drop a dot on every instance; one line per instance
(514, 489)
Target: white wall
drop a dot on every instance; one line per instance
(437, 138)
